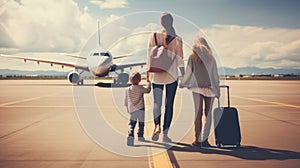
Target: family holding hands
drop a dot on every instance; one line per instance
(200, 77)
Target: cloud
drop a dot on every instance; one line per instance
(45, 26)
(135, 40)
(240, 46)
(110, 4)
(112, 18)
(60, 26)
(5, 40)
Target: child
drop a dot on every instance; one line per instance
(202, 79)
(134, 102)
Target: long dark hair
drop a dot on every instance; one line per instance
(166, 21)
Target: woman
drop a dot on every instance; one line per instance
(203, 80)
(166, 79)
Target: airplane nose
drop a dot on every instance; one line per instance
(103, 61)
(99, 65)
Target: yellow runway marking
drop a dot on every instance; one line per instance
(26, 100)
(270, 102)
(158, 157)
(160, 160)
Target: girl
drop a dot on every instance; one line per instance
(203, 80)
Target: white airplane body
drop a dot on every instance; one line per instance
(98, 63)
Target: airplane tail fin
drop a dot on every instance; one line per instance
(99, 33)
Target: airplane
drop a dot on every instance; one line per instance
(98, 63)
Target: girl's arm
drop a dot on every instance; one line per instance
(179, 54)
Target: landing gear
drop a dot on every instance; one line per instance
(122, 79)
(80, 82)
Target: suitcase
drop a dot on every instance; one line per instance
(226, 123)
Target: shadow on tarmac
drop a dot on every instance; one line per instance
(111, 85)
(243, 152)
(99, 84)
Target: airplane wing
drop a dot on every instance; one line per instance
(73, 56)
(129, 65)
(121, 56)
(84, 58)
(62, 63)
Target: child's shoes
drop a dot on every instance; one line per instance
(130, 141)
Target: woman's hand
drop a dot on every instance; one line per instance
(180, 85)
(217, 95)
(148, 76)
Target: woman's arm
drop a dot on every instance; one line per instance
(147, 89)
(179, 54)
(151, 44)
(185, 81)
(182, 70)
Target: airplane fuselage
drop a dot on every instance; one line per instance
(99, 64)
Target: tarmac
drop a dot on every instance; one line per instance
(50, 123)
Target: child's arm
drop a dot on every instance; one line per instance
(147, 89)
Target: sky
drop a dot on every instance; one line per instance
(261, 33)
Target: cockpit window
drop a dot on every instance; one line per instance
(95, 54)
(105, 54)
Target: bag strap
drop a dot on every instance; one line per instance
(172, 38)
(155, 38)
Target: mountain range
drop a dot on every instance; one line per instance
(32, 73)
(259, 71)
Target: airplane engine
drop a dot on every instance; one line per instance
(74, 77)
(123, 78)
(113, 67)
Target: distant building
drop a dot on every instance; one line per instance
(278, 75)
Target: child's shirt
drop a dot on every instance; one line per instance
(134, 97)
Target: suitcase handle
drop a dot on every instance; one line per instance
(225, 86)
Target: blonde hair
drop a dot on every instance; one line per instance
(135, 78)
(201, 49)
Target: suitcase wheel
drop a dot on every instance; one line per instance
(238, 145)
(219, 145)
